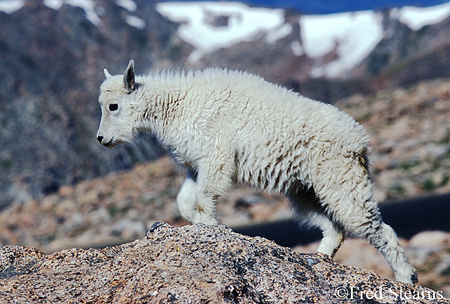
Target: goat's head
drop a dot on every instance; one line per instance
(116, 101)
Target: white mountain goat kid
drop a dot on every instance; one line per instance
(229, 126)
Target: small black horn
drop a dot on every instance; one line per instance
(129, 77)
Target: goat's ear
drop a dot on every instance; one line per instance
(129, 78)
(107, 74)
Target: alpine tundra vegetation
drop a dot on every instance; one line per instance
(230, 126)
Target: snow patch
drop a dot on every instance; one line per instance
(54, 4)
(135, 22)
(87, 5)
(353, 35)
(11, 6)
(297, 48)
(416, 18)
(129, 5)
(209, 26)
(278, 33)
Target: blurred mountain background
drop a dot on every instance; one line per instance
(52, 54)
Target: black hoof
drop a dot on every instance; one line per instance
(414, 278)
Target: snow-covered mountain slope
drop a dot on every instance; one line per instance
(209, 26)
(353, 35)
(212, 25)
(416, 18)
(89, 6)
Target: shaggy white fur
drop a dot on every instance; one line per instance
(229, 126)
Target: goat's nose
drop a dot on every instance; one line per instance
(100, 138)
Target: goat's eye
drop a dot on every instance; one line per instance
(113, 106)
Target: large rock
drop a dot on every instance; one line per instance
(193, 264)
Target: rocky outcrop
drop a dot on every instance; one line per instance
(193, 264)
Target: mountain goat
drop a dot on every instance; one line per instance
(230, 126)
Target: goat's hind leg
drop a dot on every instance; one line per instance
(333, 237)
(364, 221)
(385, 240)
(311, 213)
(349, 202)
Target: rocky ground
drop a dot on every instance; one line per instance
(410, 157)
(428, 251)
(194, 264)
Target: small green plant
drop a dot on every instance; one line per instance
(113, 210)
(409, 164)
(429, 185)
(398, 190)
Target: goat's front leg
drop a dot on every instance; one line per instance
(213, 181)
(186, 198)
(201, 191)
